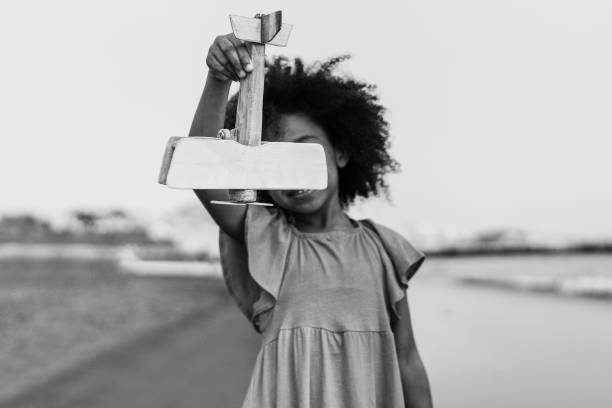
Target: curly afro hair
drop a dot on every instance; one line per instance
(348, 111)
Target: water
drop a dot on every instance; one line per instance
(571, 274)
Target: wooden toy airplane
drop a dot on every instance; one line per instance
(236, 159)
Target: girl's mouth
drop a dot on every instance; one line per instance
(298, 193)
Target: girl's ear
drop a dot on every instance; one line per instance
(342, 158)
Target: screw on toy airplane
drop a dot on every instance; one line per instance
(236, 159)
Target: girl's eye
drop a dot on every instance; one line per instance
(309, 139)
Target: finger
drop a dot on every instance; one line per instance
(244, 53)
(219, 55)
(231, 55)
(216, 68)
(227, 68)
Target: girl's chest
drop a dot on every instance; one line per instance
(333, 266)
(338, 285)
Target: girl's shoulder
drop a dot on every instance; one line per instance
(406, 258)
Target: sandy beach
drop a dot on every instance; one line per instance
(482, 346)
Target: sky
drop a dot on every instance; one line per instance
(500, 111)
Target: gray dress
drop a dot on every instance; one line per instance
(323, 303)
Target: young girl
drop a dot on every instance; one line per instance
(327, 293)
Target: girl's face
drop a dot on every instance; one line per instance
(299, 128)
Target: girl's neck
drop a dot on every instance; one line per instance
(329, 217)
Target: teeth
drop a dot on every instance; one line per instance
(299, 192)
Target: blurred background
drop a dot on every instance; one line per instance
(500, 117)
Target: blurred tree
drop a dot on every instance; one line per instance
(87, 219)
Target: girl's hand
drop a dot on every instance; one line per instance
(229, 58)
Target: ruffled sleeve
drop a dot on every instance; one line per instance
(253, 269)
(404, 257)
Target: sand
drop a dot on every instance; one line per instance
(56, 313)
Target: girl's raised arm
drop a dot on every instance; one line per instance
(228, 59)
